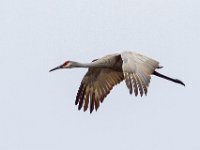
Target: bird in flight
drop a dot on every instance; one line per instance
(104, 73)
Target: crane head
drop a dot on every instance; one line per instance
(66, 64)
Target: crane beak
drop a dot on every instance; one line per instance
(56, 68)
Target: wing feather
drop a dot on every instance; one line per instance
(86, 99)
(135, 84)
(95, 86)
(138, 68)
(139, 84)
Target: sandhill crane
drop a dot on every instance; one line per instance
(104, 73)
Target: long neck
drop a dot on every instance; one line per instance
(88, 65)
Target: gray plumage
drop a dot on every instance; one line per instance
(104, 73)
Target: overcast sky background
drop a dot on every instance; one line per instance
(37, 109)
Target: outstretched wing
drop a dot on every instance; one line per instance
(95, 86)
(137, 70)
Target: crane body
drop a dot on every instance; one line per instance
(104, 73)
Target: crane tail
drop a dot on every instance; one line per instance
(168, 78)
(159, 67)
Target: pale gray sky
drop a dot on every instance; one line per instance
(37, 108)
